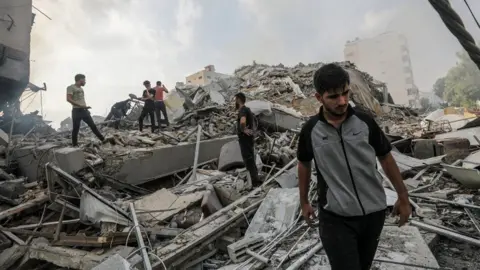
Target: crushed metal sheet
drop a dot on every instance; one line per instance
(469, 178)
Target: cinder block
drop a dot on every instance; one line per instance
(4, 138)
(31, 160)
(70, 159)
(237, 250)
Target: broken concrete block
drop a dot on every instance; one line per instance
(70, 159)
(288, 179)
(237, 250)
(115, 262)
(230, 156)
(32, 159)
(455, 149)
(210, 203)
(11, 255)
(4, 140)
(227, 193)
(143, 164)
(12, 189)
(427, 148)
(276, 213)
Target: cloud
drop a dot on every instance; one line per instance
(116, 43)
(120, 43)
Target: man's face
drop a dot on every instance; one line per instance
(335, 101)
(237, 103)
(147, 86)
(82, 82)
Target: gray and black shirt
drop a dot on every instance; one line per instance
(345, 160)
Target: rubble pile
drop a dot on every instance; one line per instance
(182, 199)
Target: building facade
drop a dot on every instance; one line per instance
(387, 58)
(205, 76)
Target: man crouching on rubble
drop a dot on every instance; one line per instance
(344, 144)
(246, 137)
(118, 111)
(76, 97)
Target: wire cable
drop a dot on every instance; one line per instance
(455, 24)
(471, 12)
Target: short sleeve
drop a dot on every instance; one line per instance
(70, 90)
(378, 140)
(243, 112)
(304, 149)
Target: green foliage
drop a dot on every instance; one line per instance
(462, 83)
(424, 103)
(439, 87)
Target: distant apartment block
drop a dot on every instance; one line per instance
(386, 57)
(205, 76)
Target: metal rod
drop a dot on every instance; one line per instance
(305, 257)
(474, 220)
(87, 189)
(446, 233)
(291, 249)
(59, 225)
(257, 256)
(446, 201)
(146, 261)
(197, 150)
(32, 226)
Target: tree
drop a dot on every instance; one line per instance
(462, 82)
(425, 103)
(439, 87)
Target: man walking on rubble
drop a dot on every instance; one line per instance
(148, 107)
(76, 97)
(118, 111)
(246, 137)
(344, 144)
(160, 105)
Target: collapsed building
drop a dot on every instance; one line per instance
(182, 199)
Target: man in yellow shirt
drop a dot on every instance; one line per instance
(76, 97)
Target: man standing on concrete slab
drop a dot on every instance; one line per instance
(118, 111)
(246, 137)
(148, 107)
(160, 105)
(76, 97)
(344, 144)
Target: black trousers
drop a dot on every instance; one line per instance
(79, 114)
(115, 114)
(350, 242)
(160, 107)
(248, 154)
(150, 112)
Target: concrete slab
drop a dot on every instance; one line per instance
(276, 213)
(279, 121)
(230, 156)
(288, 179)
(397, 245)
(116, 262)
(70, 159)
(163, 199)
(4, 140)
(144, 165)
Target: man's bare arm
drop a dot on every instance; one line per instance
(393, 173)
(165, 89)
(304, 173)
(243, 123)
(71, 101)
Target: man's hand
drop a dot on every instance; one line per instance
(308, 213)
(247, 131)
(87, 107)
(402, 208)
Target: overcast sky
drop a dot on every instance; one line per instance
(119, 43)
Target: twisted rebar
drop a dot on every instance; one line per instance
(455, 24)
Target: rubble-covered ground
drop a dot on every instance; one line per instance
(182, 198)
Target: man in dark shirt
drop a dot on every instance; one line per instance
(149, 106)
(344, 145)
(246, 135)
(118, 111)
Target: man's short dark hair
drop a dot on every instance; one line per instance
(330, 77)
(159, 83)
(79, 77)
(241, 96)
(146, 82)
